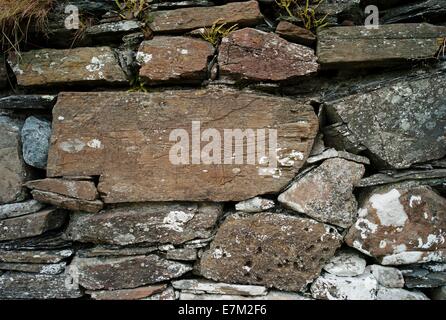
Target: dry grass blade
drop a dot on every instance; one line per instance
(217, 32)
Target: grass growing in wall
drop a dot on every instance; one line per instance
(217, 32)
(304, 11)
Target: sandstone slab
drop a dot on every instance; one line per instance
(36, 133)
(20, 208)
(32, 224)
(124, 272)
(67, 202)
(274, 250)
(115, 135)
(359, 47)
(254, 55)
(400, 224)
(178, 60)
(296, 34)
(205, 286)
(186, 19)
(85, 190)
(146, 223)
(326, 193)
(400, 124)
(79, 66)
(127, 294)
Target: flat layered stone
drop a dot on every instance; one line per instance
(67, 202)
(254, 55)
(256, 204)
(274, 250)
(79, 66)
(21, 285)
(333, 153)
(399, 294)
(28, 102)
(127, 294)
(20, 208)
(124, 272)
(146, 223)
(32, 224)
(34, 267)
(400, 224)
(423, 276)
(115, 251)
(47, 241)
(272, 295)
(431, 11)
(174, 60)
(359, 47)
(326, 193)
(3, 75)
(426, 177)
(296, 34)
(85, 190)
(123, 127)
(243, 14)
(185, 254)
(205, 286)
(35, 256)
(400, 124)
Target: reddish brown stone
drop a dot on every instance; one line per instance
(85, 190)
(174, 59)
(67, 202)
(127, 294)
(296, 34)
(250, 54)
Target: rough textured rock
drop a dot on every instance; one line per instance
(84, 145)
(187, 19)
(28, 102)
(333, 153)
(346, 264)
(67, 202)
(36, 133)
(424, 276)
(387, 276)
(401, 224)
(85, 190)
(127, 294)
(401, 123)
(124, 272)
(273, 250)
(12, 167)
(359, 47)
(425, 177)
(146, 223)
(254, 55)
(424, 11)
(399, 294)
(326, 193)
(80, 66)
(295, 33)
(272, 295)
(186, 254)
(34, 256)
(331, 287)
(198, 286)
(19, 209)
(20, 285)
(32, 224)
(179, 60)
(256, 204)
(34, 267)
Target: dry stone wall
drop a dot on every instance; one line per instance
(335, 189)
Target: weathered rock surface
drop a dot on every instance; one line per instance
(19, 209)
(360, 47)
(20, 285)
(400, 224)
(399, 294)
(28, 102)
(333, 153)
(346, 264)
(331, 287)
(274, 250)
(127, 294)
(32, 224)
(179, 60)
(123, 126)
(254, 55)
(198, 286)
(326, 193)
(3, 75)
(424, 276)
(423, 11)
(124, 272)
(400, 124)
(425, 177)
(79, 66)
(185, 254)
(34, 267)
(12, 168)
(387, 276)
(272, 295)
(243, 14)
(36, 133)
(256, 204)
(35, 256)
(67, 202)
(85, 190)
(296, 34)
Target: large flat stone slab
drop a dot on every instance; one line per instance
(126, 138)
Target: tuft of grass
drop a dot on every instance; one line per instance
(137, 85)
(217, 32)
(17, 17)
(287, 5)
(308, 15)
(132, 9)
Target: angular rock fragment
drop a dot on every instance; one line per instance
(79, 66)
(146, 223)
(387, 276)
(181, 20)
(67, 202)
(3, 74)
(127, 294)
(107, 130)
(28, 102)
(254, 55)
(256, 204)
(21, 285)
(115, 251)
(124, 272)
(326, 193)
(359, 47)
(400, 224)
(205, 286)
(331, 287)
(346, 264)
(178, 60)
(35, 256)
(85, 190)
(32, 224)
(186, 254)
(422, 276)
(439, 293)
(295, 34)
(425, 177)
(110, 32)
(36, 133)
(34, 267)
(20, 208)
(399, 294)
(400, 124)
(274, 250)
(333, 153)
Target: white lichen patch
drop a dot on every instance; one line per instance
(94, 143)
(414, 200)
(142, 57)
(389, 209)
(175, 220)
(95, 65)
(72, 145)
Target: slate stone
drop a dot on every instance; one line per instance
(36, 133)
